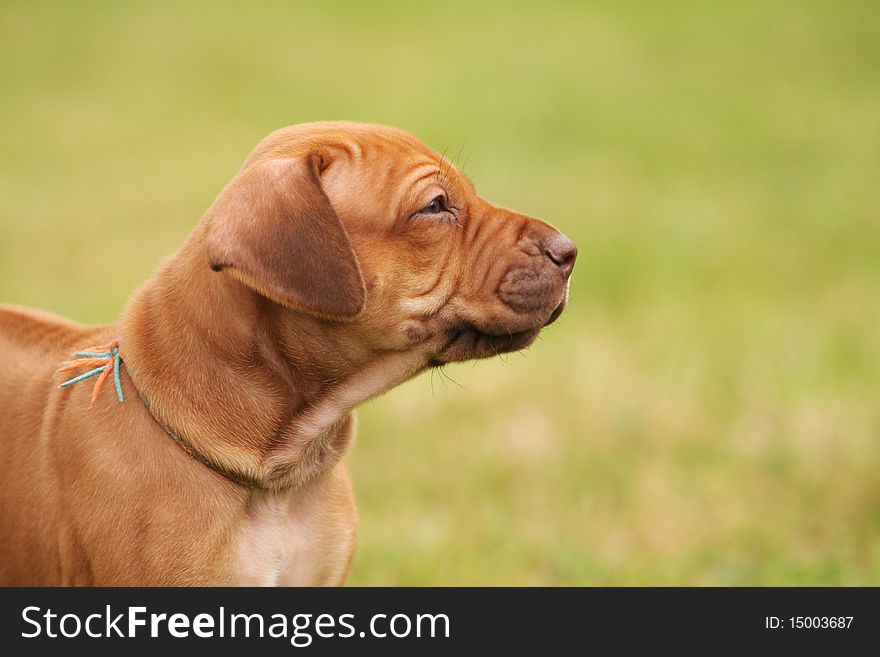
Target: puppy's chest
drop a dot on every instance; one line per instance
(285, 541)
(273, 542)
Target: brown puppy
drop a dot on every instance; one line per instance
(342, 260)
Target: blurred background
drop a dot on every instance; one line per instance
(706, 412)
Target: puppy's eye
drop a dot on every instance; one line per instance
(436, 206)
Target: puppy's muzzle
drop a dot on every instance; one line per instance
(539, 287)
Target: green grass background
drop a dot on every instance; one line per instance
(706, 412)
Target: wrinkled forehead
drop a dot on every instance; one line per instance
(384, 154)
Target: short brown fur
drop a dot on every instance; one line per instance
(319, 278)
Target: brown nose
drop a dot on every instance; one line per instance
(561, 251)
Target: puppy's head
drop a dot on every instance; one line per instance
(368, 230)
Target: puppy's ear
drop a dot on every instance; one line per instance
(274, 229)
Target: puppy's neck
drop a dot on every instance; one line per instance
(254, 387)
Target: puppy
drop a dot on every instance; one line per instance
(200, 440)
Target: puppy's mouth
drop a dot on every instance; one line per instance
(470, 342)
(557, 311)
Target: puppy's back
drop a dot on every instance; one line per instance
(31, 342)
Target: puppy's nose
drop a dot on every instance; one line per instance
(561, 251)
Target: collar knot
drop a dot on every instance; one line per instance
(108, 361)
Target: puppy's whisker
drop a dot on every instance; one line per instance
(446, 375)
(440, 161)
(467, 158)
(460, 149)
